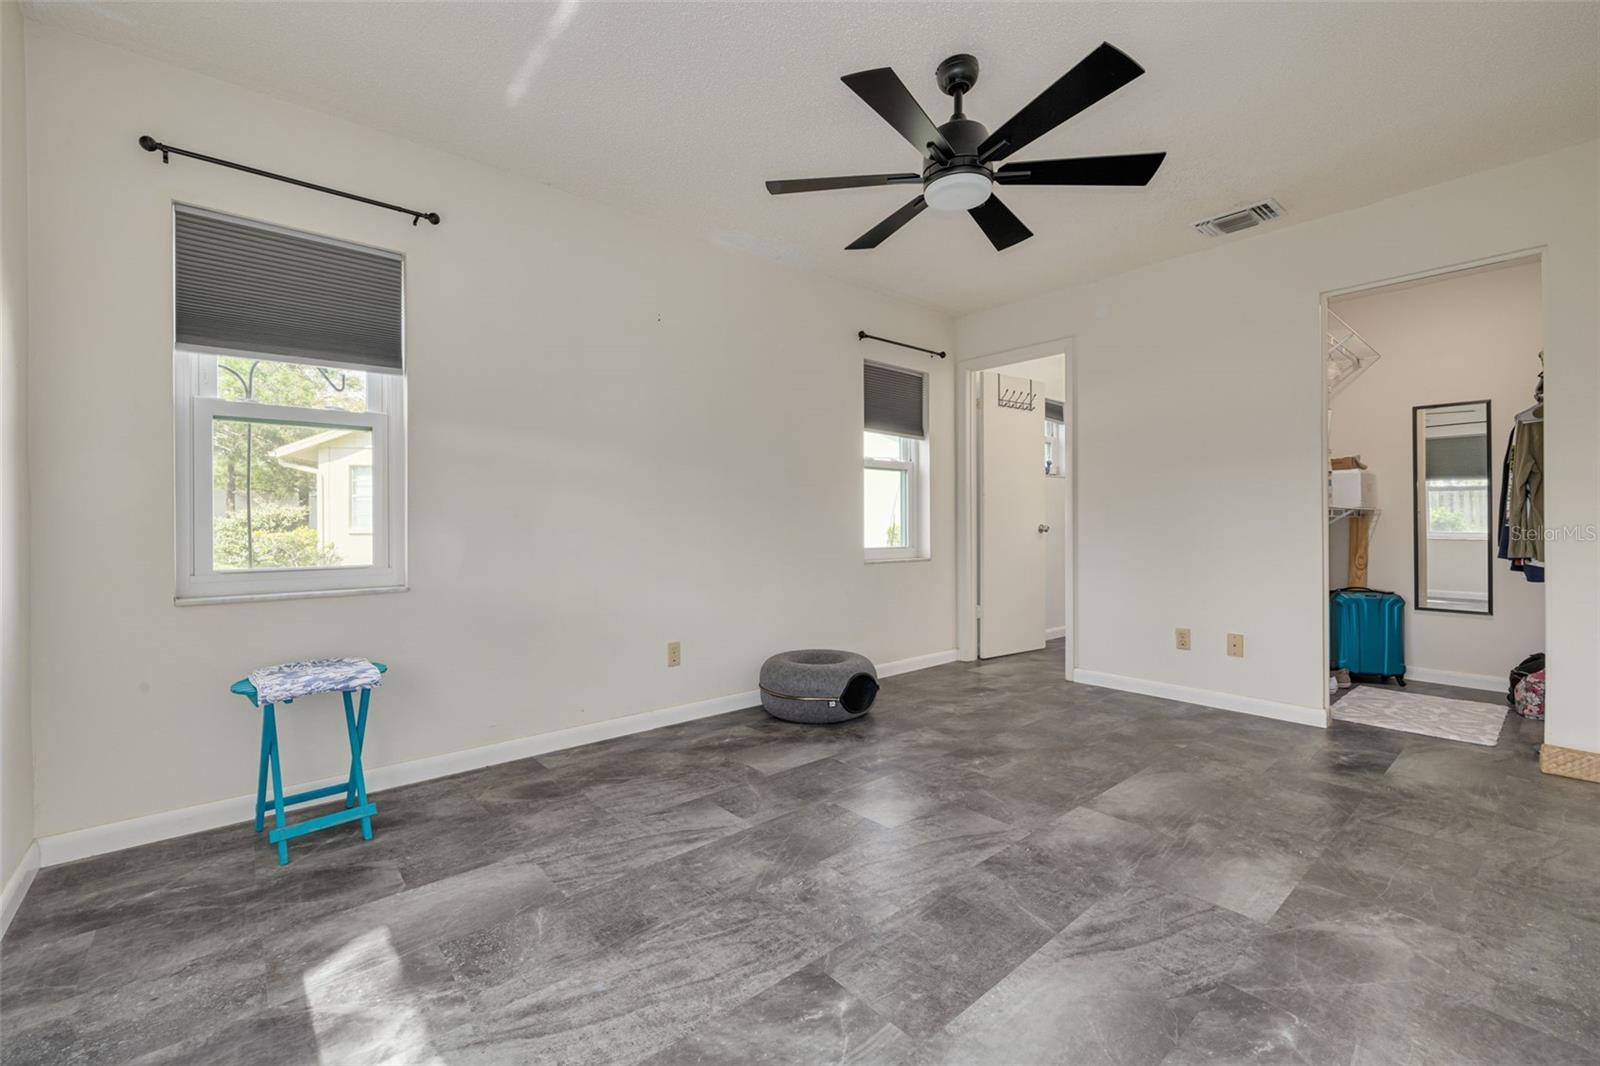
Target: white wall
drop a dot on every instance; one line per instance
(1471, 336)
(1201, 484)
(651, 439)
(1052, 370)
(16, 735)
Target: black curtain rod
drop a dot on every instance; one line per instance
(150, 144)
(863, 335)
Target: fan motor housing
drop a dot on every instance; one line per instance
(964, 135)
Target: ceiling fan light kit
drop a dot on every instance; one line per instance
(961, 191)
(959, 157)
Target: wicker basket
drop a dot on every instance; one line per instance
(1569, 762)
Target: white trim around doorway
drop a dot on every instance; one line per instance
(1422, 276)
(967, 370)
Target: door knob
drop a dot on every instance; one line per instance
(1043, 528)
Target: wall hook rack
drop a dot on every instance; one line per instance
(150, 144)
(863, 335)
(1016, 399)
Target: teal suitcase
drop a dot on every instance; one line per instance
(1366, 631)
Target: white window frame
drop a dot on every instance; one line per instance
(913, 548)
(196, 404)
(1055, 440)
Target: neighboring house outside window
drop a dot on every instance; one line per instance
(358, 464)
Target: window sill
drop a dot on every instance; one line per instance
(309, 594)
(873, 561)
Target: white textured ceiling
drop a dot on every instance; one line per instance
(680, 111)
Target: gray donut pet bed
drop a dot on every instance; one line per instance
(818, 685)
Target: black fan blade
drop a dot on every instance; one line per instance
(875, 236)
(1088, 170)
(998, 224)
(886, 94)
(853, 181)
(1101, 73)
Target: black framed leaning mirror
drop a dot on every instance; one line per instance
(1454, 514)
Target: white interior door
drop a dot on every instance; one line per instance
(1013, 516)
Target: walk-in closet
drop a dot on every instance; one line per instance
(1436, 502)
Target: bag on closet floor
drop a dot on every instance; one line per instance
(1531, 664)
(1530, 696)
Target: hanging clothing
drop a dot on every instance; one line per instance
(1503, 524)
(1526, 494)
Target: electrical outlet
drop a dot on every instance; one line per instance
(1184, 643)
(1236, 645)
(674, 653)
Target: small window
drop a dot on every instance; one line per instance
(889, 501)
(893, 452)
(1055, 439)
(290, 413)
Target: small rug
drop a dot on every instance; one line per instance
(1412, 712)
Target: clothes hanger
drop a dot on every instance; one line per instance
(1536, 412)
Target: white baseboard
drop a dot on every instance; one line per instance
(1486, 682)
(1052, 632)
(920, 662)
(1284, 712)
(17, 886)
(82, 843)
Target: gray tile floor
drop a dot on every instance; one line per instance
(994, 866)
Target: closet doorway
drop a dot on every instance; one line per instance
(1434, 551)
(1015, 526)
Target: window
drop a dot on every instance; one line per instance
(893, 464)
(890, 494)
(1458, 507)
(290, 465)
(1055, 439)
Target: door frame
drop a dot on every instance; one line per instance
(1325, 413)
(967, 441)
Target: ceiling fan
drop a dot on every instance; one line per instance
(958, 172)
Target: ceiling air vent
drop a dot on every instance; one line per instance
(1243, 218)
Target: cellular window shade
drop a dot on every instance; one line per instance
(893, 401)
(257, 290)
(1054, 411)
(1457, 458)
